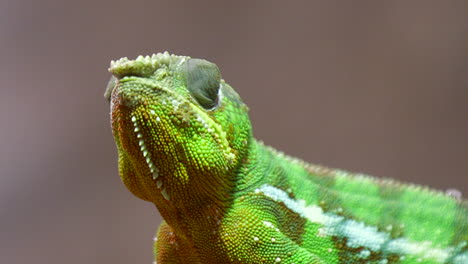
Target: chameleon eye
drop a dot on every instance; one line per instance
(203, 81)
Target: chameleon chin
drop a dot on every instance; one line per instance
(185, 143)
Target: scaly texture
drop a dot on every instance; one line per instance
(185, 144)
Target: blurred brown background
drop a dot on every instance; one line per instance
(379, 87)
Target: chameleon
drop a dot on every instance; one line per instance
(185, 143)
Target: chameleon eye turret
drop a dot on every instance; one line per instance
(203, 80)
(185, 143)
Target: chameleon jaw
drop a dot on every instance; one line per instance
(129, 108)
(147, 156)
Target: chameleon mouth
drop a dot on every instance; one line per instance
(143, 148)
(131, 119)
(148, 157)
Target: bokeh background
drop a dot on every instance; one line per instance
(379, 87)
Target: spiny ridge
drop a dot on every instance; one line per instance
(143, 65)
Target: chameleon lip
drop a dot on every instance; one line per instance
(126, 107)
(143, 148)
(146, 155)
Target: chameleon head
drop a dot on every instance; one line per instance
(180, 130)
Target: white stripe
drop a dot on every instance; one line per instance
(461, 259)
(358, 233)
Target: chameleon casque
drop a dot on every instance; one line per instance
(185, 143)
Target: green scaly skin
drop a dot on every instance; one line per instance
(185, 144)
